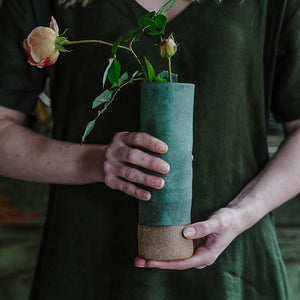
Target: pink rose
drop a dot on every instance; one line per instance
(40, 45)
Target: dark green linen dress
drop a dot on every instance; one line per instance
(244, 58)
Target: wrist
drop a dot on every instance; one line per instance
(248, 210)
(88, 164)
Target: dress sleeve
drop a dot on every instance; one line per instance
(20, 83)
(286, 100)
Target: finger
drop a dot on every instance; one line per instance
(139, 158)
(146, 141)
(200, 267)
(200, 229)
(139, 262)
(128, 188)
(202, 258)
(134, 175)
(137, 176)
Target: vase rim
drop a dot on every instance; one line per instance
(169, 83)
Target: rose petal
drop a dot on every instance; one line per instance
(54, 26)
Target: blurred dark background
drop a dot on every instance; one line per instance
(22, 215)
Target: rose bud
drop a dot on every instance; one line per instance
(167, 47)
(41, 45)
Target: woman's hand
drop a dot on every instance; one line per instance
(210, 237)
(125, 155)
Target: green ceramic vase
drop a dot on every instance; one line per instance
(167, 113)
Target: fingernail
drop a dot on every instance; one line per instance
(137, 266)
(162, 147)
(164, 167)
(189, 232)
(158, 182)
(146, 196)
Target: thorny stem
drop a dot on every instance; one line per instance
(169, 67)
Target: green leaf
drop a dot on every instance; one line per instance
(116, 44)
(158, 79)
(60, 42)
(114, 72)
(65, 31)
(150, 70)
(146, 19)
(137, 35)
(102, 98)
(159, 26)
(130, 34)
(161, 21)
(166, 7)
(62, 49)
(134, 74)
(174, 77)
(165, 75)
(110, 61)
(123, 78)
(89, 127)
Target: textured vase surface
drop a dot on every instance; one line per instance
(167, 113)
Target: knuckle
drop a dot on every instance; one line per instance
(222, 224)
(118, 136)
(130, 174)
(154, 142)
(107, 152)
(109, 181)
(106, 166)
(136, 138)
(132, 154)
(204, 228)
(142, 179)
(200, 267)
(138, 194)
(122, 152)
(155, 163)
(127, 189)
(210, 261)
(147, 180)
(201, 229)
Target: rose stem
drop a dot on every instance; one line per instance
(110, 44)
(170, 72)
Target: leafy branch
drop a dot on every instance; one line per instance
(107, 97)
(153, 23)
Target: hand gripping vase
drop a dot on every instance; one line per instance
(167, 113)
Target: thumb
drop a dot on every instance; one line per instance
(199, 230)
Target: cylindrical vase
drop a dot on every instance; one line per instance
(167, 113)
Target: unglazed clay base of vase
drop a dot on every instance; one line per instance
(163, 243)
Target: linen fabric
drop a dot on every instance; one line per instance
(244, 58)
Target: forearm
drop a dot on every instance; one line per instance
(29, 156)
(274, 185)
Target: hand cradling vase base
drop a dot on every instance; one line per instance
(167, 113)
